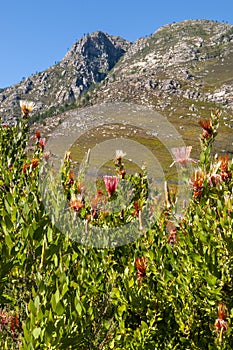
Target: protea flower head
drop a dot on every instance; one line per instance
(38, 135)
(182, 155)
(206, 127)
(141, 266)
(197, 182)
(42, 143)
(26, 107)
(76, 202)
(225, 172)
(34, 162)
(220, 324)
(119, 154)
(67, 156)
(111, 183)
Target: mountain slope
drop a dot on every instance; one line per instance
(183, 69)
(191, 60)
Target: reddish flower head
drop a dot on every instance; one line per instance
(3, 319)
(207, 128)
(26, 166)
(71, 177)
(197, 183)
(111, 183)
(34, 162)
(38, 135)
(141, 266)
(220, 324)
(14, 324)
(77, 203)
(137, 208)
(172, 233)
(225, 172)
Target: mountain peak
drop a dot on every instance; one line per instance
(95, 45)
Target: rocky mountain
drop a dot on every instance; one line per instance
(182, 70)
(86, 63)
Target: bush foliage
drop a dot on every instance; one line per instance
(171, 288)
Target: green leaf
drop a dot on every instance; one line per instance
(53, 302)
(7, 206)
(59, 308)
(37, 301)
(10, 198)
(49, 235)
(31, 307)
(116, 293)
(8, 223)
(57, 296)
(121, 309)
(36, 332)
(144, 325)
(38, 234)
(8, 241)
(65, 288)
(202, 157)
(26, 333)
(78, 305)
(131, 282)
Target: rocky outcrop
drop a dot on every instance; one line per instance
(86, 63)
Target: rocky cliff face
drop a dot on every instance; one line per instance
(183, 68)
(87, 63)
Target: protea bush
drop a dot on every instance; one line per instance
(171, 288)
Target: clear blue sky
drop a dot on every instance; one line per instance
(36, 33)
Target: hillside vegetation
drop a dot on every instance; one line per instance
(77, 275)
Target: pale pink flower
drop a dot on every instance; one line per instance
(182, 155)
(42, 143)
(111, 183)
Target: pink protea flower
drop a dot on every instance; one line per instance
(42, 143)
(111, 183)
(182, 155)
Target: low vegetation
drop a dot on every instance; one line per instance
(169, 286)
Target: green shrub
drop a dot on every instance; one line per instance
(171, 288)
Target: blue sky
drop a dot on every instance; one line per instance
(37, 33)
